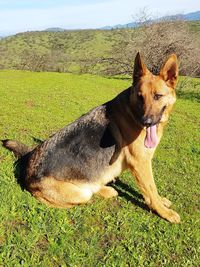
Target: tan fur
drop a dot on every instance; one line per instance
(60, 194)
(107, 192)
(113, 171)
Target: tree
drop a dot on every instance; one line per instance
(155, 40)
(50, 61)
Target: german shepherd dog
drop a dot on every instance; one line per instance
(83, 157)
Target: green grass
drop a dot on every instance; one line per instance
(115, 232)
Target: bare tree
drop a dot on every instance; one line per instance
(155, 40)
(49, 61)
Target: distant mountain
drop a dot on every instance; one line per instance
(3, 36)
(120, 26)
(193, 16)
(55, 29)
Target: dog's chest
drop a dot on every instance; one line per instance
(109, 173)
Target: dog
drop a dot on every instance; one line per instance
(83, 157)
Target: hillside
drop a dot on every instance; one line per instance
(68, 46)
(62, 51)
(193, 16)
(55, 29)
(195, 27)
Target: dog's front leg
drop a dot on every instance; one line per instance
(142, 170)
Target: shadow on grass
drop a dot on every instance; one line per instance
(129, 194)
(20, 165)
(118, 78)
(20, 170)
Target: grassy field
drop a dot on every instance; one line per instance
(115, 232)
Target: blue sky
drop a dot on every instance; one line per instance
(24, 15)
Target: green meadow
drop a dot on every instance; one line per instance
(116, 232)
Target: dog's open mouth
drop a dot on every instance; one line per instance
(151, 139)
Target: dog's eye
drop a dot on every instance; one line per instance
(157, 96)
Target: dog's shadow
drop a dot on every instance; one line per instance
(19, 173)
(20, 165)
(129, 194)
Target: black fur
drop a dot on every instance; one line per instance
(81, 150)
(16, 147)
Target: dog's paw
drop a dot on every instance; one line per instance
(166, 202)
(107, 192)
(172, 216)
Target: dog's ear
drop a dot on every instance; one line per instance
(169, 71)
(140, 68)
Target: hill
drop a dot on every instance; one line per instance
(55, 29)
(193, 16)
(62, 51)
(64, 47)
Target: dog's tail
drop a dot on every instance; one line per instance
(16, 147)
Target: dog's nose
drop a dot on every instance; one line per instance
(147, 121)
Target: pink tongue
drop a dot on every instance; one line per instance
(151, 138)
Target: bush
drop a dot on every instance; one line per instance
(156, 41)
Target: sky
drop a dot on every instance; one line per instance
(27, 15)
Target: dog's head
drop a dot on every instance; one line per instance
(153, 96)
